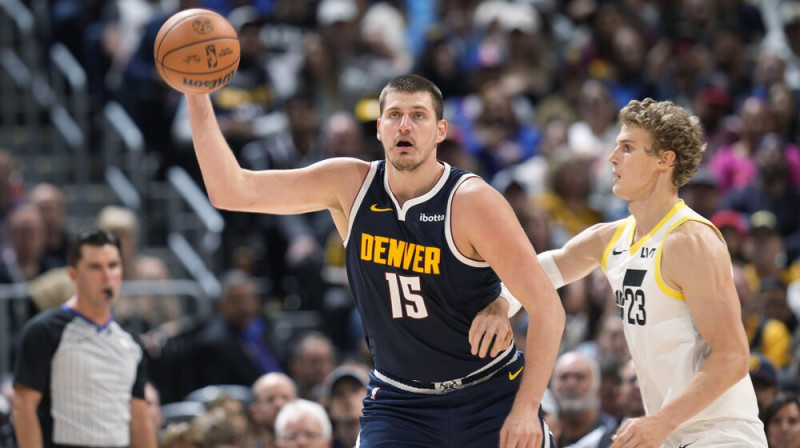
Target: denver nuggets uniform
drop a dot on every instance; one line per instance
(417, 296)
(666, 347)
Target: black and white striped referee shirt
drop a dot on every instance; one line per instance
(87, 375)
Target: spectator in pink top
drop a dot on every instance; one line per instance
(734, 165)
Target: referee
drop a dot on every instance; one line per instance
(79, 378)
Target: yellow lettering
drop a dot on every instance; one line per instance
(395, 256)
(380, 248)
(367, 241)
(432, 257)
(408, 255)
(417, 267)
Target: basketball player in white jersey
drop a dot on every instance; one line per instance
(672, 279)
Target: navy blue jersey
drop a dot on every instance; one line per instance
(416, 293)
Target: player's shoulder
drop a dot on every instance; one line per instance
(694, 238)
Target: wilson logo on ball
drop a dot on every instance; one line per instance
(208, 83)
(202, 26)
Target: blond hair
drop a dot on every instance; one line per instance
(672, 129)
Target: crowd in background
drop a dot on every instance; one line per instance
(532, 89)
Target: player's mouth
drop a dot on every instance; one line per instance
(404, 144)
(108, 293)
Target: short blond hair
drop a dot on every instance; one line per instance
(672, 129)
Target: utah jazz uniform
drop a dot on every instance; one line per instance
(417, 296)
(665, 345)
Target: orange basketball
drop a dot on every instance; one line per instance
(196, 50)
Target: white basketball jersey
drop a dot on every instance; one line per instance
(665, 345)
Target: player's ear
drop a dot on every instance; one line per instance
(667, 158)
(441, 130)
(378, 129)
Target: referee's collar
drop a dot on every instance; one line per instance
(84, 317)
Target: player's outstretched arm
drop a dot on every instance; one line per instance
(485, 228)
(696, 261)
(330, 184)
(580, 255)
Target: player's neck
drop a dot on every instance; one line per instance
(411, 184)
(650, 211)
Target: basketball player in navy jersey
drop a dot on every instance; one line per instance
(672, 279)
(427, 245)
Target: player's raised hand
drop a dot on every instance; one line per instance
(491, 328)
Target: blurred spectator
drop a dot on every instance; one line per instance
(110, 42)
(773, 190)
(181, 435)
(234, 347)
(575, 384)
(218, 429)
(147, 98)
(782, 102)
(496, 136)
(734, 228)
(527, 71)
(23, 255)
(629, 399)
(312, 359)
(782, 422)
(766, 336)
(271, 392)
(712, 104)
(12, 192)
(627, 81)
(773, 299)
(439, 63)
(608, 345)
(531, 174)
(343, 393)
(765, 382)
(50, 201)
(566, 200)
(738, 166)
(144, 312)
(783, 38)
(303, 423)
(766, 251)
(701, 193)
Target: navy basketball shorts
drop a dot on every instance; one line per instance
(470, 417)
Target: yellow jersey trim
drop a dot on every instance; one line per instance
(613, 242)
(675, 208)
(662, 285)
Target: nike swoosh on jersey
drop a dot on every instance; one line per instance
(513, 376)
(687, 444)
(614, 252)
(375, 208)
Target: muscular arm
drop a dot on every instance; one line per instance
(26, 422)
(143, 435)
(584, 252)
(331, 184)
(696, 261)
(485, 227)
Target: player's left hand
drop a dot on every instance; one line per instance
(645, 432)
(521, 430)
(491, 327)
